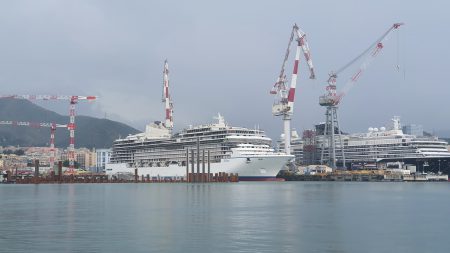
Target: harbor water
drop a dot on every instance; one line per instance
(226, 217)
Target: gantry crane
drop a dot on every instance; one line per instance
(52, 127)
(332, 99)
(284, 103)
(73, 100)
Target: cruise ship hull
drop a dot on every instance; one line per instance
(258, 168)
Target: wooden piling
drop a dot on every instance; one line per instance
(209, 169)
(60, 164)
(136, 176)
(187, 165)
(192, 166)
(36, 168)
(198, 161)
(203, 167)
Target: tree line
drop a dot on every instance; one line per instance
(18, 152)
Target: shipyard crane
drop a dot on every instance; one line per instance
(284, 102)
(73, 100)
(332, 99)
(166, 98)
(52, 127)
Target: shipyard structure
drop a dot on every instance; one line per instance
(378, 148)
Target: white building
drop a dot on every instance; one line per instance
(103, 156)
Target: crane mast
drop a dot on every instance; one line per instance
(73, 100)
(166, 98)
(284, 103)
(52, 127)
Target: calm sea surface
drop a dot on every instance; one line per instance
(233, 217)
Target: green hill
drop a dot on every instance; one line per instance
(91, 132)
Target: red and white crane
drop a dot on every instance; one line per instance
(166, 98)
(284, 103)
(332, 99)
(73, 100)
(52, 127)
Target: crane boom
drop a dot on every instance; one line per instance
(370, 54)
(306, 52)
(303, 45)
(280, 83)
(31, 124)
(50, 97)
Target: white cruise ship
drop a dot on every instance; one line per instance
(380, 146)
(157, 153)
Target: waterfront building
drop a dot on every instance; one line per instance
(103, 158)
(42, 154)
(12, 161)
(85, 158)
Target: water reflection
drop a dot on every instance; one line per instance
(242, 217)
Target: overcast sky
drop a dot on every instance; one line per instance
(224, 56)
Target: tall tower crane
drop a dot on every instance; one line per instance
(73, 100)
(166, 98)
(332, 99)
(52, 127)
(284, 102)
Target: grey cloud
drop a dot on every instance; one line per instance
(224, 56)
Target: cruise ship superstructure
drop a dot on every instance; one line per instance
(157, 152)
